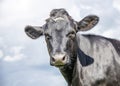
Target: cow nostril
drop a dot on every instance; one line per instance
(63, 58)
(53, 59)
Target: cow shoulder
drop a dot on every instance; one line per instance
(88, 43)
(116, 45)
(94, 44)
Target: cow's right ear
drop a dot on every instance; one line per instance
(87, 23)
(34, 31)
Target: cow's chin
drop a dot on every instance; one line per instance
(59, 66)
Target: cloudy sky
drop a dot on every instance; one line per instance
(25, 62)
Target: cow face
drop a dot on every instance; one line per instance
(60, 35)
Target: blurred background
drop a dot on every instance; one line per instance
(25, 62)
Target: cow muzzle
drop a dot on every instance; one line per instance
(59, 60)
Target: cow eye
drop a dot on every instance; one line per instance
(71, 35)
(47, 36)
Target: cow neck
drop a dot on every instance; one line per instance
(77, 70)
(67, 71)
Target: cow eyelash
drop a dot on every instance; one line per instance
(71, 34)
(47, 36)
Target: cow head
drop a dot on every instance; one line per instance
(60, 35)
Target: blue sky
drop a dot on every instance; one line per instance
(25, 62)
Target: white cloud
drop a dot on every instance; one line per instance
(12, 11)
(2, 44)
(18, 10)
(112, 33)
(16, 49)
(1, 54)
(15, 14)
(13, 58)
(116, 4)
(75, 12)
(17, 55)
(34, 77)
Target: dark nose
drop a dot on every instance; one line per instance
(59, 59)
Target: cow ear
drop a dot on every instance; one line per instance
(34, 31)
(87, 23)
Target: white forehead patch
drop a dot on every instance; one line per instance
(58, 18)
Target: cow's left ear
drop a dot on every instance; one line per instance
(34, 31)
(87, 23)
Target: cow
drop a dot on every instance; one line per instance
(83, 60)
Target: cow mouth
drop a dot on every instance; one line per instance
(59, 66)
